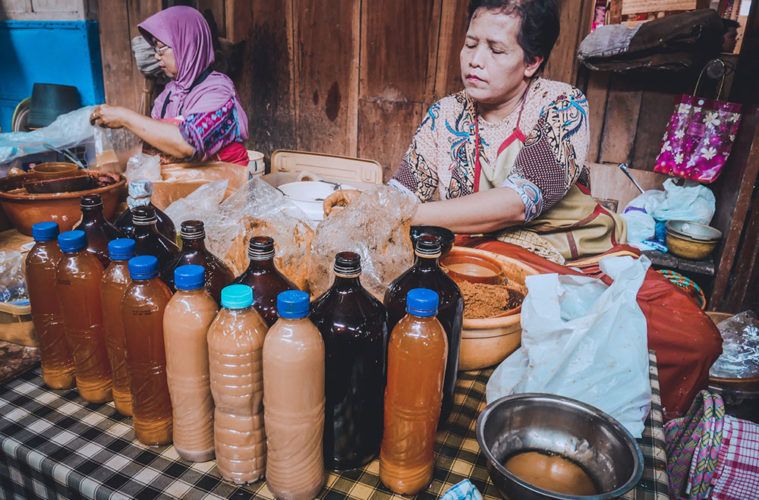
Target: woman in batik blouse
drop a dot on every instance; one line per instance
(505, 156)
(198, 115)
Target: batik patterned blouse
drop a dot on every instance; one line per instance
(440, 162)
(209, 133)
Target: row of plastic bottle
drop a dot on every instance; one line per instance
(353, 325)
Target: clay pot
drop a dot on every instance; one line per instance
(54, 169)
(24, 209)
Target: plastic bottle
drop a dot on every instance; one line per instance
(114, 284)
(353, 325)
(235, 340)
(194, 251)
(188, 315)
(140, 191)
(426, 273)
(294, 401)
(150, 241)
(415, 373)
(142, 311)
(41, 262)
(98, 230)
(264, 277)
(77, 286)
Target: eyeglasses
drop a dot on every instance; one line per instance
(162, 50)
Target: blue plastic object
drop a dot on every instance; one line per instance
(236, 296)
(143, 267)
(422, 302)
(72, 241)
(189, 277)
(121, 249)
(63, 52)
(292, 304)
(45, 231)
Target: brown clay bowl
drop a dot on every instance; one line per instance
(472, 268)
(488, 341)
(54, 169)
(25, 209)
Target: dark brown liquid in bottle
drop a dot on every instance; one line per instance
(55, 356)
(151, 242)
(194, 251)
(353, 325)
(264, 278)
(98, 230)
(426, 273)
(139, 195)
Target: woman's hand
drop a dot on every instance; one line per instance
(110, 116)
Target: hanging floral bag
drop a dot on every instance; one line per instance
(699, 137)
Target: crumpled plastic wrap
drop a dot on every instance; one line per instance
(12, 281)
(114, 147)
(375, 226)
(202, 204)
(740, 347)
(258, 209)
(142, 166)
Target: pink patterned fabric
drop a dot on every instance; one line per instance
(698, 139)
(738, 473)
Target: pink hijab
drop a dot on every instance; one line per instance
(186, 31)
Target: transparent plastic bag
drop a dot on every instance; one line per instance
(376, 226)
(142, 166)
(202, 204)
(258, 209)
(67, 131)
(114, 147)
(740, 347)
(12, 281)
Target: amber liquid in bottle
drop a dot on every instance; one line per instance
(353, 325)
(194, 251)
(41, 262)
(150, 241)
(264, 278)
(139, 195)
(294, 401)
(142, 311)
(426, 273)
(114, 284)
(235, 343)
(99, 231)
(77, 286)
(416, 362)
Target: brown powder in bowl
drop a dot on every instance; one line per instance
(487, 301)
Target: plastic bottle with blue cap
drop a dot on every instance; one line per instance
(114, 284)
(235, 342)
(77, 286)
(40, 267)
(294, 400)
(142, 309)
(186, 320)
(416, 364)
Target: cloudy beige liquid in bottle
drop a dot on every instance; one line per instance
(235, 340)
(294, 401)
(188, 315)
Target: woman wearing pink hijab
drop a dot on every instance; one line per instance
(198, 115)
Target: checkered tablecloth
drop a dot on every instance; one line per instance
(54, 445)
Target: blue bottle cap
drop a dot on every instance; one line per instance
(44, 231)
(189, 277)
(143, 267)
(72, 241)
(292, 304)
(236, 296)
(422, 302)
(121, 249)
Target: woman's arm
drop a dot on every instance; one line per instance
(482, 212)
(164, 136)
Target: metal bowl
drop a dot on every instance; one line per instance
(561, 426)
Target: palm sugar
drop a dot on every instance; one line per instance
(482, 300)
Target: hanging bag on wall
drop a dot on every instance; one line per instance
(699, 137)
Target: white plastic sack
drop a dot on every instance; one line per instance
(584, 340)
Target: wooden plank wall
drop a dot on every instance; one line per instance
(344, 77)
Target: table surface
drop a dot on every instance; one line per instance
(54, 445)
